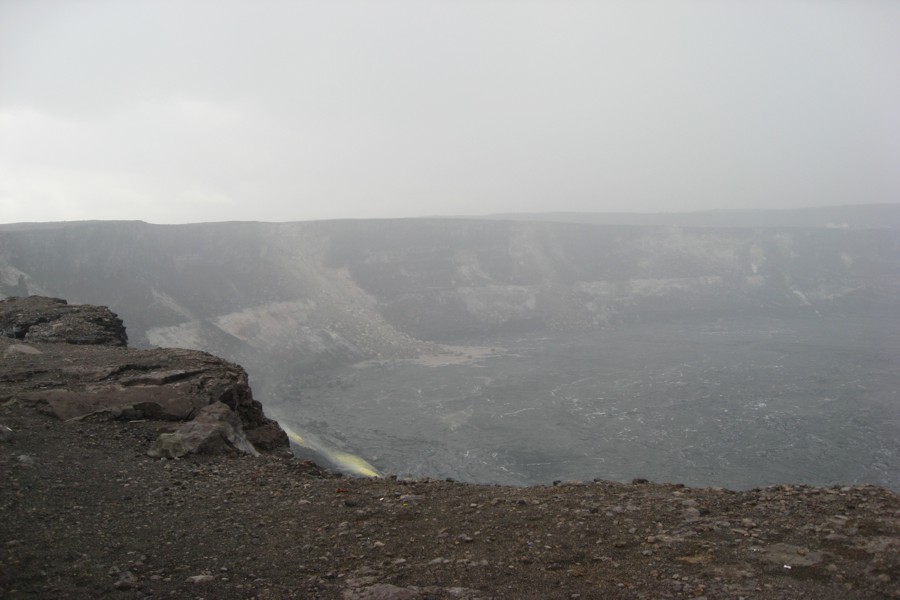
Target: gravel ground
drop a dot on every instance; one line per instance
(84, 513)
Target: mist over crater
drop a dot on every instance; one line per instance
(523, 351)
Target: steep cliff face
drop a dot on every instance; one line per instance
(330, 292)
(71, 362)
(436, 280)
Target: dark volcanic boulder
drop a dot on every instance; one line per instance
(216, 429)
(52, 320)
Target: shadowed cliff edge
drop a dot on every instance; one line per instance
(100, 379)
(154, 473)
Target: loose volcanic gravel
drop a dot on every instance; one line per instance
(84, 513)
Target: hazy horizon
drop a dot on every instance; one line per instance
(277, 111)
(513, 214)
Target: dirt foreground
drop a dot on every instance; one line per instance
(86, 514)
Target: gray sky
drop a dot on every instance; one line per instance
(186, 111)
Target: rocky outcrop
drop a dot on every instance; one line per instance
(52, 320)
(105, 381)
(215, 429)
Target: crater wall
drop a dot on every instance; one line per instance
(320, 293)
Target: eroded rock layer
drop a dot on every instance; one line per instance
(52, 320)
(104, 380)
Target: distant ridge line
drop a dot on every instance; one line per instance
(860, 216)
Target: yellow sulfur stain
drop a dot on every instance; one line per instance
(345, 460)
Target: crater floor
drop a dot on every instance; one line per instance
(732, 402)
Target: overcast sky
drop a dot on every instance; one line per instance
(185, 111)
